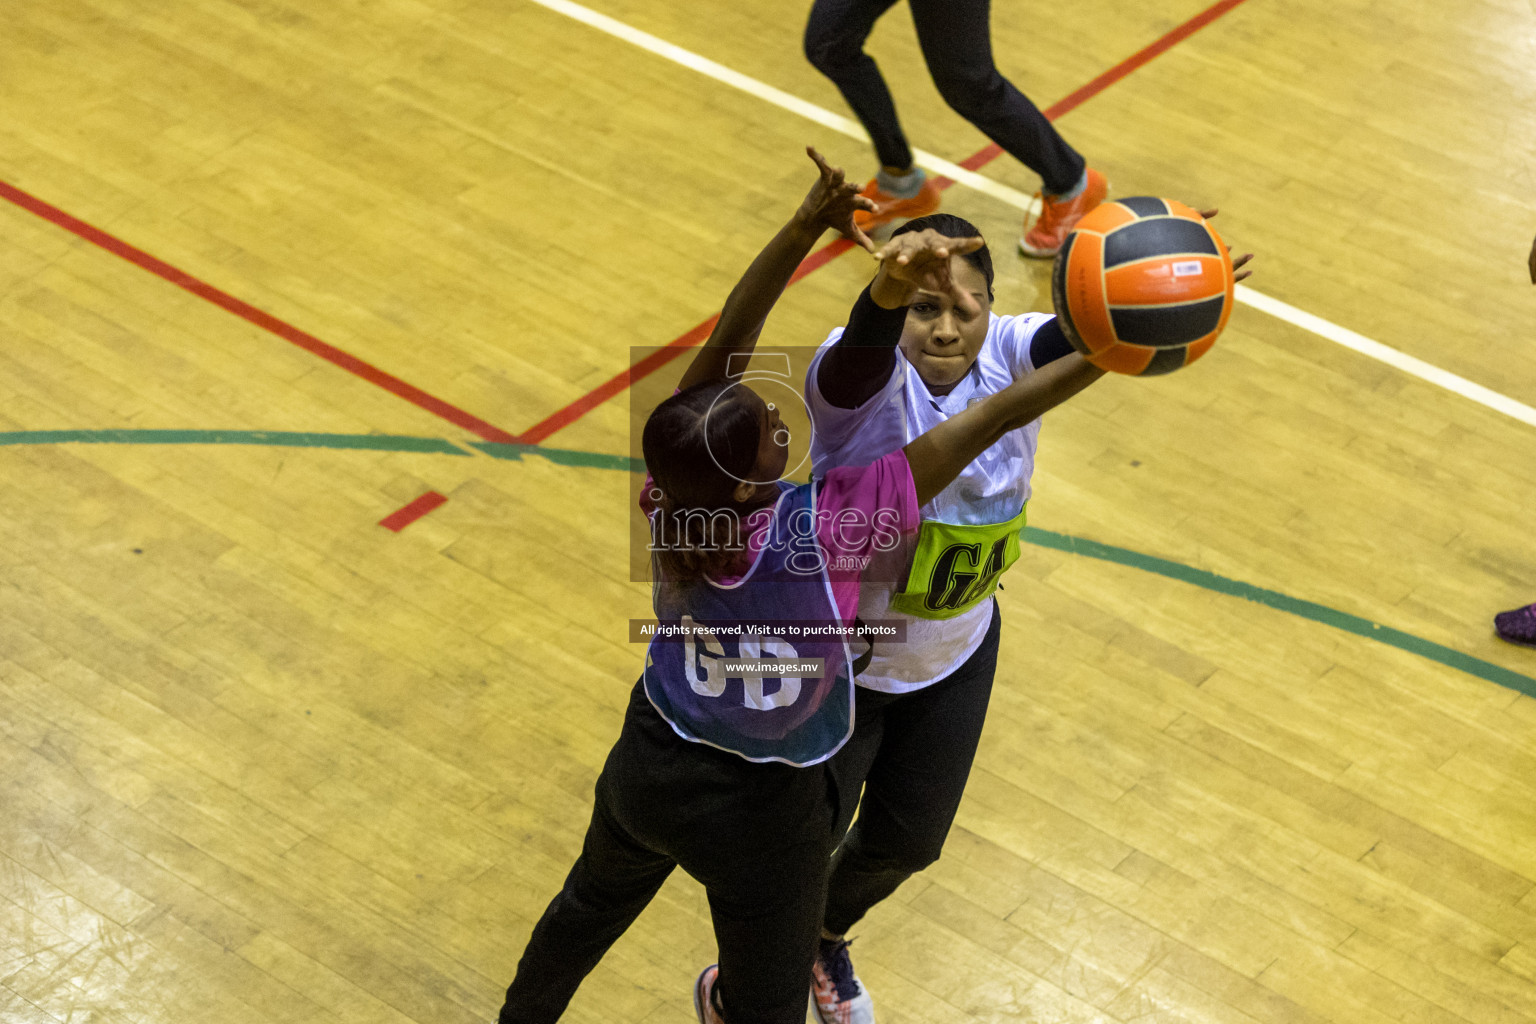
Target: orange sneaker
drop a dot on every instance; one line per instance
(888, 208)
(1058, 218)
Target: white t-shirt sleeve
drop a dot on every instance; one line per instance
(1014, 335)
(834, 428)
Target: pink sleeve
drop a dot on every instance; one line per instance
(863, 511)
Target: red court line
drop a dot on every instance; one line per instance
(1077, 98)
(613, 386)
(1161, 45)
(404, 517)
(656, 360)
(677, 346)
(266, 321)
(616, 384)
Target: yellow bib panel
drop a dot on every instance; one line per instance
(955, 568)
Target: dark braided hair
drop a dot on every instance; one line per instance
(698, 445)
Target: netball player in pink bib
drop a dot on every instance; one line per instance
(725, 763)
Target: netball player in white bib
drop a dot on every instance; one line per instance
(911, 356)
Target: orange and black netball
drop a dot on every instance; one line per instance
(1142, 286)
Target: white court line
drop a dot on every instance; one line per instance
(1386, 354)
(1247, 296)
(780, 98)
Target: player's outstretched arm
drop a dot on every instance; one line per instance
(938, 456)
(1239, 262)
(861, 361)
(829, 204)
(919, 261)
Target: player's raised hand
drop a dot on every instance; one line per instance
(832, 200)
(919, 261)
(1239, 262)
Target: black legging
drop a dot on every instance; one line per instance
(956, 39)
(757, 836)
(916, 750)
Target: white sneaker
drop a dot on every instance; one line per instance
(837, 995)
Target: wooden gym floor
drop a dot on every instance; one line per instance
(270, 270)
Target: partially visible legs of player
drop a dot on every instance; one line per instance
(956, 37)
(766, 921)
(756, 836)
(612, 881)
(920, 746)
(834, 44)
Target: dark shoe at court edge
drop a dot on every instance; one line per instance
(1518, 626)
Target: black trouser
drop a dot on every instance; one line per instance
(918, 748)
(957, 44)
(757, 836)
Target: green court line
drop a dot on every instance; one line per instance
(1283, 602)
(563, 456)
(598, 460)
(278, 438)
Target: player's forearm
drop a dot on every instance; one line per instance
(889, 292)
(753, 298)
(939, 455)
(857, 366)
(759, 289)
(1026, 400)
(864, 358)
